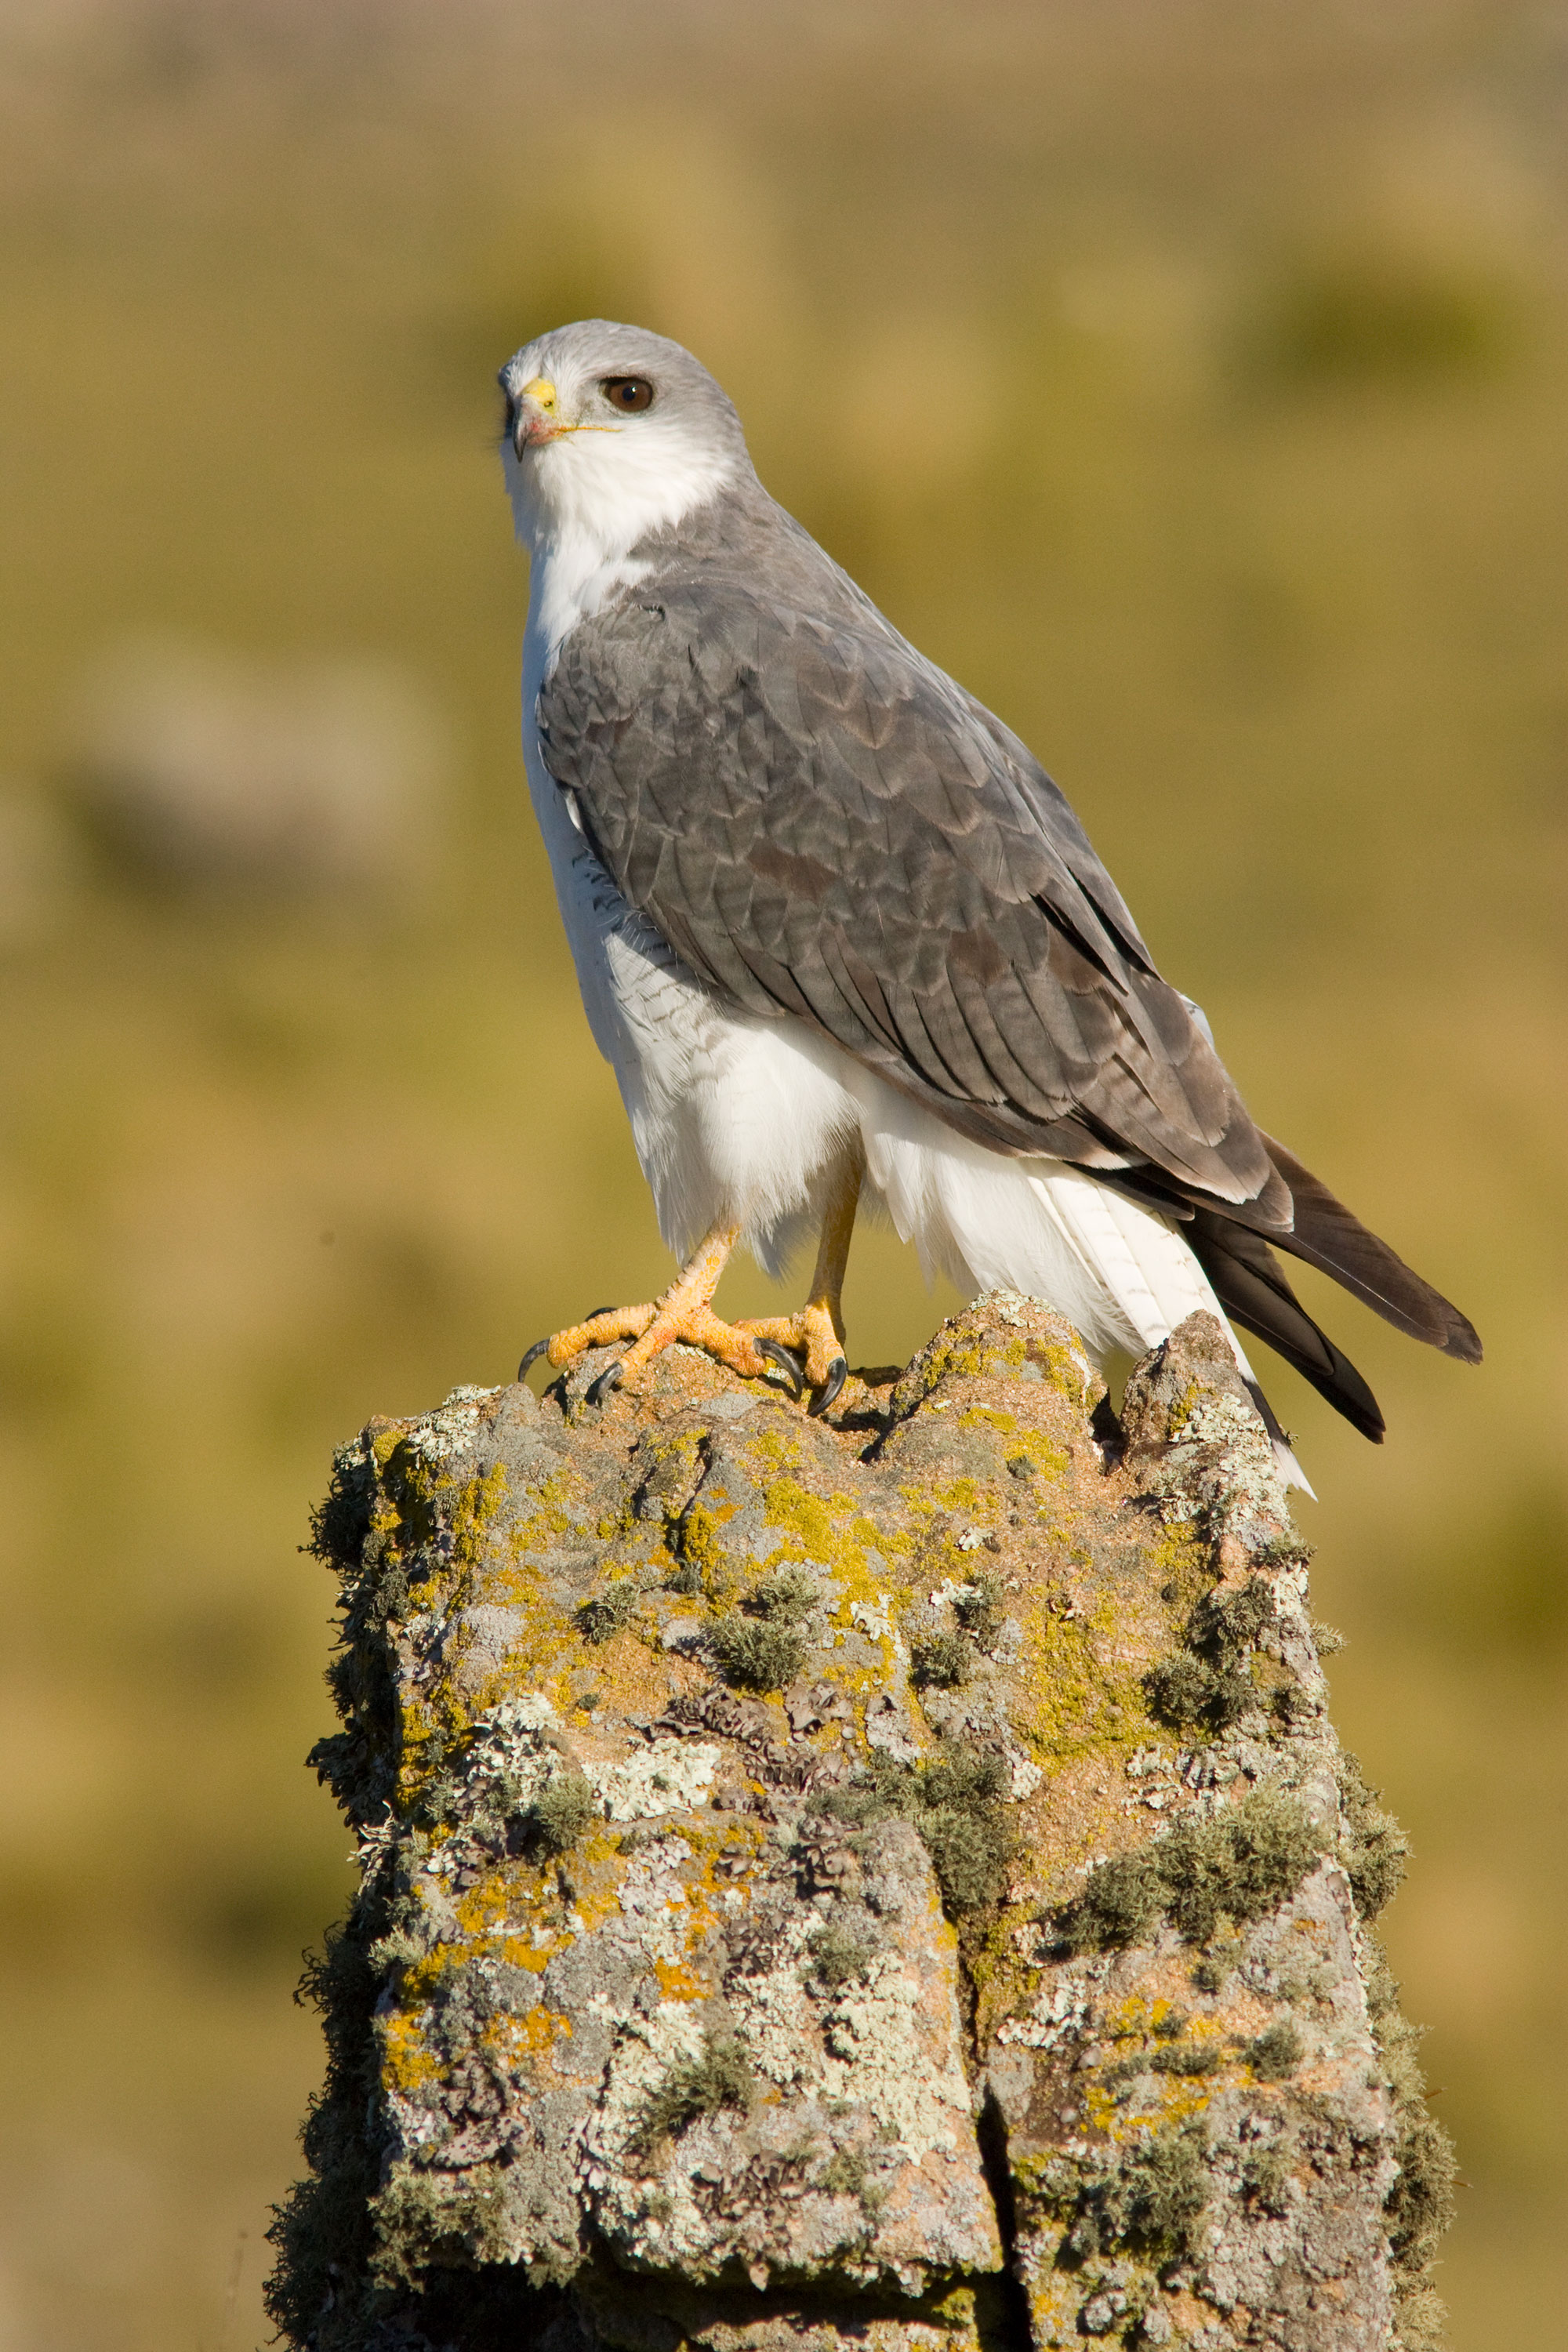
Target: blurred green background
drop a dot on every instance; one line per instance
(1191, 381)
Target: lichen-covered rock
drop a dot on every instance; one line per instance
(889, 1877)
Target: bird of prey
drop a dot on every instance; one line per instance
(841, 937)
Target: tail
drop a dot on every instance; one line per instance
(1125, 1269)
(1250, 1285)
(1158, 1275)
(1327, 1235)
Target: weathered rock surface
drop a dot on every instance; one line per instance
(889, 1880)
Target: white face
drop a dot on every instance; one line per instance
(611, 433)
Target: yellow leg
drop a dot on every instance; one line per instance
(816, 1335)
(809, 1344)
(685, 1312)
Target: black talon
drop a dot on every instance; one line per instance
(597, 1390)
(540, 1346)
(786, 1360)
(838, 1373)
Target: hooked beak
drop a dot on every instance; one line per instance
(534, 419)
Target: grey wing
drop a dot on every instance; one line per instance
(822, 823)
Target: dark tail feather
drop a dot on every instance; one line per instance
(1250, 1285)
(1326, 1236)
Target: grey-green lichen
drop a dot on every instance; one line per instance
(605, 1614)
(1276, 2051)
(1374, 1848)
(1211, 1870)
(1209, 1683)
(719, 2076)
(1148, 2199)
(1420, 2204)
(978, 1607)
(561, 1812)
(956, 1799)
(756, 1657)
(940, 1660)
(839, 1958)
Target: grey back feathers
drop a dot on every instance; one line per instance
(822, 823)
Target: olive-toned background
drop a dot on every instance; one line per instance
(1189, 379)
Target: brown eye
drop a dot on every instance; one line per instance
(628, 392)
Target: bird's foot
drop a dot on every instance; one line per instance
(599, 1329)
(651, 1329)
(807, 1347)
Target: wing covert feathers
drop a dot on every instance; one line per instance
(820, 821)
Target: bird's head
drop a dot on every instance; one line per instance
(611, 433)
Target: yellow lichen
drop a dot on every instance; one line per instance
(408, 2060)
(538, 2030)
(1078, 1700)
(677, 1981)
(703, 1553)
(959, 1495)
(1049, 1460)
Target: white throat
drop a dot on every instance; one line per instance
(581, 505)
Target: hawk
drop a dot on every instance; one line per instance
(841, 937)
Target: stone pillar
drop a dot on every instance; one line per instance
(889, 1880)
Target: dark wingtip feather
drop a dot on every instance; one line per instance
(1328, 1235)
